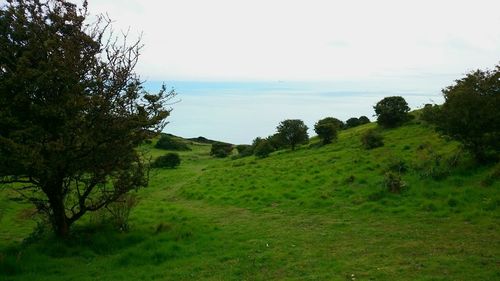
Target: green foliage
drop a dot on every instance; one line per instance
(372, 139)
(352, 122)
(363, 120)
(327, 129)
(221, 149)
(293, 132)
(169, 160)
(471, 115)
(168, 142)
(429, 163)
(244, 150)
(258, 219)
(393, 182)
(263, 149)
(392, 111)
(431, 114)
(72, 110)
(120, 210)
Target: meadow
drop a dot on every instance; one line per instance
(317, 213)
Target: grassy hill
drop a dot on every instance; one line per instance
(318, 213)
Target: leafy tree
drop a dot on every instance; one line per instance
(352, 122)
(221, 149)
(72, 110)
(471, 112)
(293, 132)
(431, 113)
(392, 111)
(170, 143)
(169, 160)
(326, 129)
(263, 149)
(363, 120)
(244, 150)
(276, 141)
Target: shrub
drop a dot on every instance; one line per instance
(327, 128)
(372, 139)
(392, 111)
(429, 163)
(244, 150)
(430, 113)
(393, 182)
(352, 122)
(170, 143)
(471, 115)
(397, 165)
(263, 149)
(169, 160)
(221, 149)
(120, 210)
(363, 120)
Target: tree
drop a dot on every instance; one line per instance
(72, 110)
(221, 149)
(392, 111)
(263, 148)
(471, 115)
(293, 132)
(326, 129)
(352, 122)
(363, 120)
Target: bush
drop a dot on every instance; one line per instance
(169, 160)
(393, 182)
(352, 122)
(363, 120)
(431, 164)
(244, 150)
(372, 139)
(170, 143)
(430, 114)
(120, 210)
(263, 149)
(392, 111)
(471, 115)
(221, 149)
(326, 129)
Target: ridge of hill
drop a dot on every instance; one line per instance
(317, 213)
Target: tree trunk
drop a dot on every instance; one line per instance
(60, 222)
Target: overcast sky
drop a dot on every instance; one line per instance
(308, 40)
(362, 51)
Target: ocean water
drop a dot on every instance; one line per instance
(238, 112)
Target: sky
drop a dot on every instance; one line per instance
(302, 59)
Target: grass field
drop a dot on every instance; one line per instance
(317, 213)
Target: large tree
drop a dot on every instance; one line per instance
(471, 112)
(327, 129)
(293, 132)
(392, 111)
(72, 110)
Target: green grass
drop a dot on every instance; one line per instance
(318, 213)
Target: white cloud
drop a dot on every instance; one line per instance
(307, 40)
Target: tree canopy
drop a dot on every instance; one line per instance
(471, 112)
(293, 132)
(72, 110)
(327, 129)
(392, 111)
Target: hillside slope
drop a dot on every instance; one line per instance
(318, 213)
